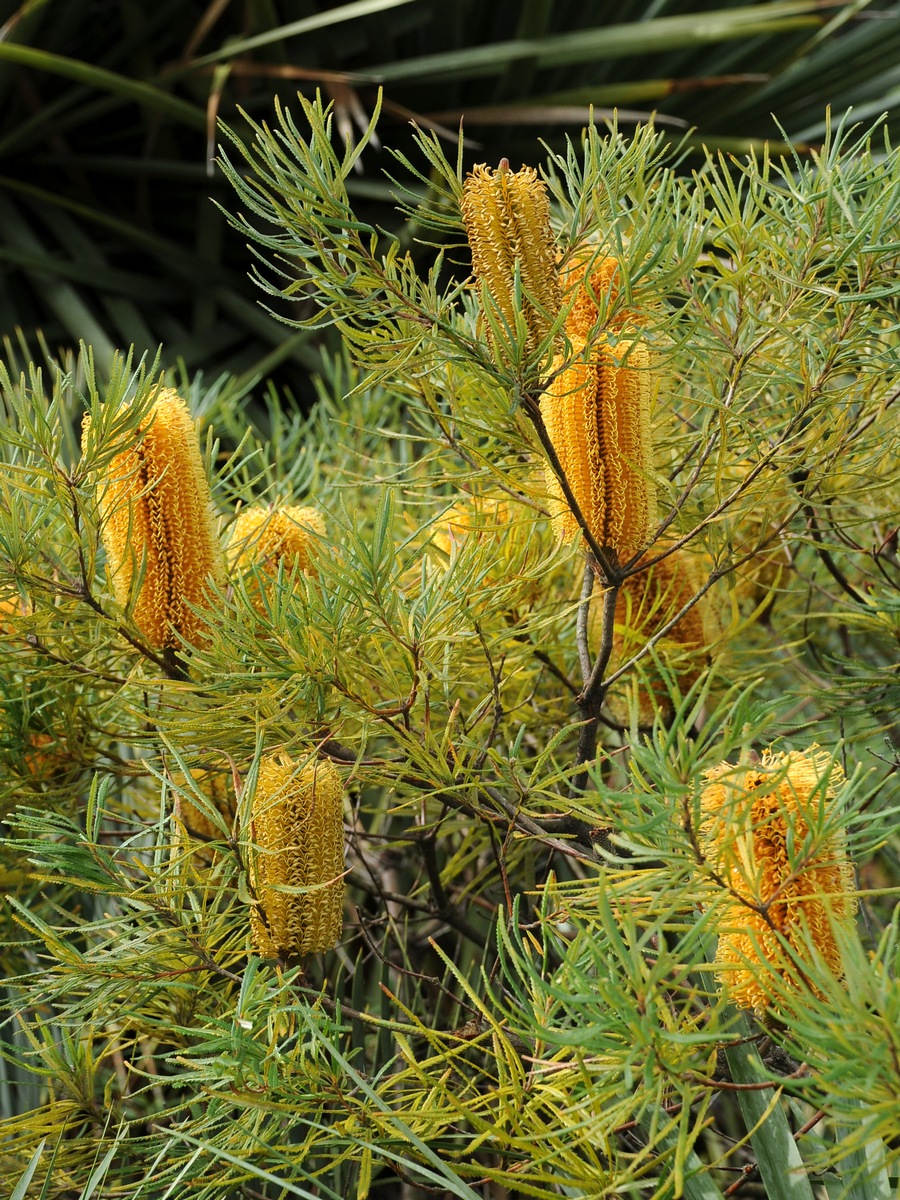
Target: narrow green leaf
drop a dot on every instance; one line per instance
(780, 1165)
(696, 1183)
(106, 81)
(864, 1169)
(182, 264)
(323, 20)
(287, 1189)
(609, 41)
(99, 1173)
(445, 1175)
(21, 1189)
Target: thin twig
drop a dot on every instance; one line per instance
(556, 671)
(825, 557)
(748, 1173)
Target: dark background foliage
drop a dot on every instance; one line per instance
(108, 230)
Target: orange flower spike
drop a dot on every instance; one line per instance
(298, 843)
(757, 823)
(597, 412)
(597, 415)
(507, 220)
(159, 527)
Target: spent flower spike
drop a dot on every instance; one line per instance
(648, 600)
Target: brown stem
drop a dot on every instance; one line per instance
(591, 698)
(581, 629)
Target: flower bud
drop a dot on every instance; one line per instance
(263, 537)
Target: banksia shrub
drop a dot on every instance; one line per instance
(647, 601)
(298, 843)
(507, 218)
(789, 887)
(266, 537)
(518, 1000)
(158, 526)
(597, 415)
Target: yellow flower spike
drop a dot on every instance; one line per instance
(648, 601)
(602, 283)
(757, 822)
(507, 220)
(263, 537)
(474, 516)
(298, 843)
(158, 526)
(597, 415)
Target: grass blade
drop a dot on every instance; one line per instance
(106, 81)
(323, 20)
(780, 1165)
(611, 41)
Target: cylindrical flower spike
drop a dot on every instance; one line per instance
(790, 890)
(158, 526)
(647, 602)
(587, 279)
(597, 415)
(297, 860)
(264, 538)
(597, 412)
(478, 517)
(507, 218)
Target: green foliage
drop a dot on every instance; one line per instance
(523, 1001)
